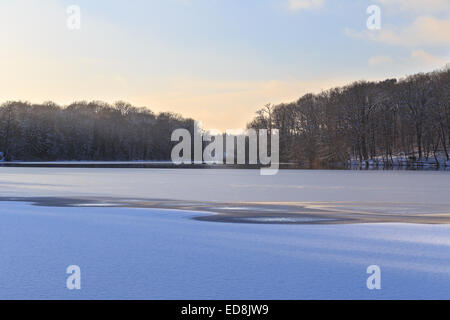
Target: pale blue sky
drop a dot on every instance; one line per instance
(215, 60)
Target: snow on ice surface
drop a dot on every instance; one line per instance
(228, 185)
(128, 253)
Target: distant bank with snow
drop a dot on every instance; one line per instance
(437, 162)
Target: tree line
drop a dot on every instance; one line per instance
(86, 131)
(407, 118)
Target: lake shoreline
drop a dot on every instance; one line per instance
(169, 165)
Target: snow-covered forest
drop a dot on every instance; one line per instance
(389, 120)
(384, 121)
(86, 131)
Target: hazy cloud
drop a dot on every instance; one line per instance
(296, 5)
(418, 6)
(425, 30)
(380, 60)
(424, 58)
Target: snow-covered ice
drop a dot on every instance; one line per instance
(229, 185)
(131, 253)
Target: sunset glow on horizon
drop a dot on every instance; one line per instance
(214, 61)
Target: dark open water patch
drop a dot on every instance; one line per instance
(268, 212)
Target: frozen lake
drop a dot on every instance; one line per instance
(229, 185)
(155, 253)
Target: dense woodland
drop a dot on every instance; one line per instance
(407, 118)
(86, 131)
